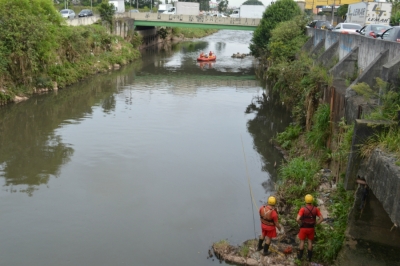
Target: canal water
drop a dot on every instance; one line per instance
(147, 165)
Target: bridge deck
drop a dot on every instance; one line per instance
(191, 21)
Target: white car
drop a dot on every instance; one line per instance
(347, 28)
(219, 15)
(67, 13)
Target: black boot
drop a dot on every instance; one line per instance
(300, 253)
(266, 247)
(260, 242)
(309, 255)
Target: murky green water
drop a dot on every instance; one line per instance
(142, 166)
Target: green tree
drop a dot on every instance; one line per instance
(342, 10)
(395, 18)
(223, 5)
(281, 10)
(107, 12)
(287, 39)
(253, 2)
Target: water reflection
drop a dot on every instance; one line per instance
(30, 150)
(205, 65)
(270, 119)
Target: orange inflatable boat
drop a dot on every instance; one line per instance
(209, 58)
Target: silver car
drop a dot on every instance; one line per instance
(67, 13)
(373, 30)
(347, 28)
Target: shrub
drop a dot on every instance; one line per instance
(281, 10)
(287, 39)
(286, 137)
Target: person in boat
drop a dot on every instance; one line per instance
(307, 218)
(201, 54)
(269, 224)
(210, 53)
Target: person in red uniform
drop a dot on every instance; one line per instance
(307, 218)
(269, 223)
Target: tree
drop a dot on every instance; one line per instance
(281, 10)
(107, 12)
(253, 2)
(342, 10)
(222, 6)
(287, 38)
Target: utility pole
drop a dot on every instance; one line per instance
(91, 5)
(333, 11)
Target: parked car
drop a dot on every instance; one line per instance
(219, 15)
(392, 34)
(347, 28)
(372, 30)
(67, 13)
(85, 13)
(134, 11)
(320, 24)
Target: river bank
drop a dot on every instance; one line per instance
(92, 51)
(319, 140)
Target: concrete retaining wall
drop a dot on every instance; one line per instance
(383, 177)
(369, 48)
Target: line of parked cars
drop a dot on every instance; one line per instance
(376, 31)
(70, 14)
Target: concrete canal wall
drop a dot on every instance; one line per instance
(352, 59)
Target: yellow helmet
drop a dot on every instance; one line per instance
(309, 198)
(272, 201)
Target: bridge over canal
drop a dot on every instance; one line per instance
(182, 21)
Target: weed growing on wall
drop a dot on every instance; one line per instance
(320, 130)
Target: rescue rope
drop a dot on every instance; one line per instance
(251, 192)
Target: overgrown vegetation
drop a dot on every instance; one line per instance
(282, 10)
(300, 82)
(107, 12)
(330, 237)
(320, 130)
(389, 110)
(298, 177)
(38, 49)
(286, 138)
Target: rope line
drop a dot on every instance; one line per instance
(251, 192)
